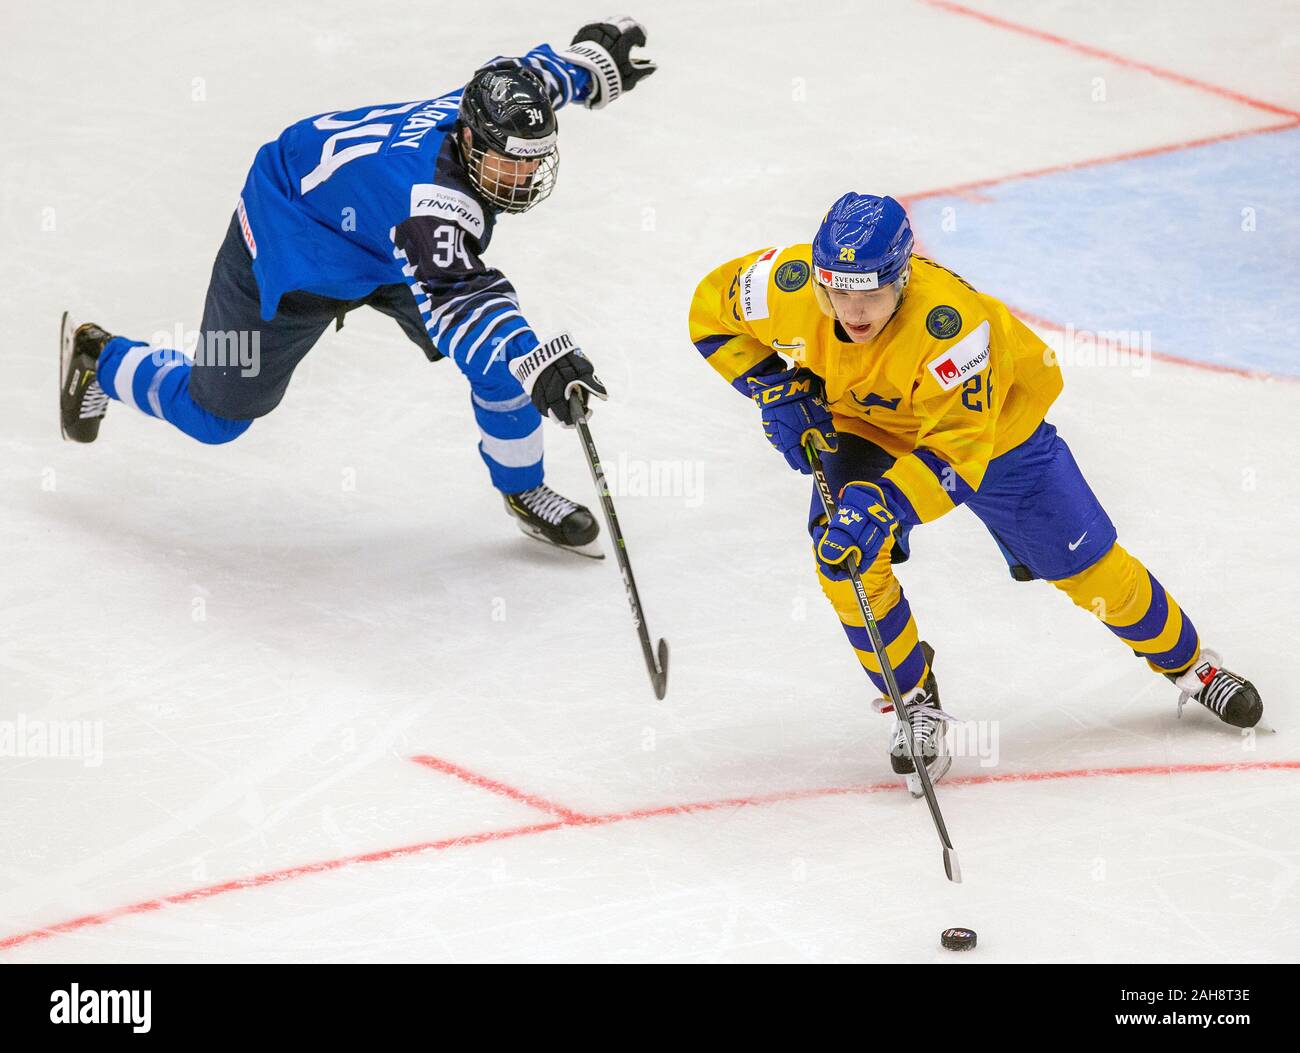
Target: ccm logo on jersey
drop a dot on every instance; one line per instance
(970, 355)
(430, 199)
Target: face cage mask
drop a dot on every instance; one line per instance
(494, 176)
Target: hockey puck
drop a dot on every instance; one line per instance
(958, 939)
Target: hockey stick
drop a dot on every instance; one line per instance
(656, 658)
(950, 864)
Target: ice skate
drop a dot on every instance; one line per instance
(928, 738)
(1228, 696)
(82, 402)
(547, 516)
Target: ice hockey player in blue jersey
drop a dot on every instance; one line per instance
(388, 206)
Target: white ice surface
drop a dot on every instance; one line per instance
(365, 600)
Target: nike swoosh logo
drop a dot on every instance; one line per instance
(1079, 542)
(787, 347)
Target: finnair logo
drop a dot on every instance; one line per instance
(444, 202)
(102, 1007)
(516, 146)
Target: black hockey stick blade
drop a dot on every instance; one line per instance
(660, 675)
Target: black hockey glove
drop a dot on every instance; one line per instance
(553, 370)
(603, 50)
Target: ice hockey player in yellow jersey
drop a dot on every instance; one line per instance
(923, 394)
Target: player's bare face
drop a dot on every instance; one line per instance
(863, 314)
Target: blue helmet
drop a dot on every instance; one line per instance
(864, 242)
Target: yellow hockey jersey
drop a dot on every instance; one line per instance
(950, 382)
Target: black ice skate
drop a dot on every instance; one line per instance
(547, 516)
(928, 739)
(82, 402)
(1232, 699)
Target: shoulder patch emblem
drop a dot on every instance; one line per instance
(792, 276)
(943, 322)
(968, 356)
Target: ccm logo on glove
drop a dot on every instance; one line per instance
(862, 524)
(786, 391)
(793, 413)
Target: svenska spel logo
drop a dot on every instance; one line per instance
(946, 370)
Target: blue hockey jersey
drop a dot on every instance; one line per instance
(345, 202)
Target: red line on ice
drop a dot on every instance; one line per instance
(307, 869)
(1142, 769)
(500, 788)
(270, 878)
(968, 190)
(1039, 322)
(1110, 56)
(568, 818)
(1214, 367)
